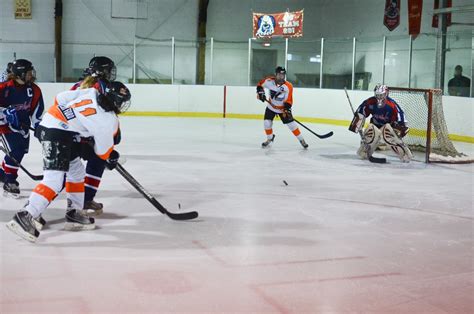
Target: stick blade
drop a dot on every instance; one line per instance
(183, 216)
(377, 160)
(326, 135)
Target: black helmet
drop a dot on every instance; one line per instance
(118, 97)
(20, 67)
(279, 79)
(280, 69)
(102, 67)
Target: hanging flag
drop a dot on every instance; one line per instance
(286, 24)
(434, 22)
(414, 17)
(391, 17)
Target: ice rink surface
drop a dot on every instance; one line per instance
(343, 236)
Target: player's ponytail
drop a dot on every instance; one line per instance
(88, 82)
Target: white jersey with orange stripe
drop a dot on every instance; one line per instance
(78, 111)
(279, 94)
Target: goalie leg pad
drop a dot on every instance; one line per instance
(396, 144)
(371, 138)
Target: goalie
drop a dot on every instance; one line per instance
(387, 125)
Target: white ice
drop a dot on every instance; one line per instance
(345, 235)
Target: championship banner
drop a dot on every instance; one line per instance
(434, 22)
(22, 9)
(287, 24)
(415, 8)
(391, 17)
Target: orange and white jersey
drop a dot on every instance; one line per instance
(279, 94)
(78, 111)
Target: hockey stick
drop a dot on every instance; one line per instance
(322, 136)
(32, 176)
(367, 149)
(151, 199)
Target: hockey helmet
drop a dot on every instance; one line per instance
(118, 96)
(20, 69)
(280, 74)
(102, 67)
(380, 93)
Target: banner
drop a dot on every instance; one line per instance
(287, 24)
(415, 8)
(391, 17)
(22, 9)
(434, 22)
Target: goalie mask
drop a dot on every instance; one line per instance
(116, 98)
(280, 75)
(24, 70)
(102, 67)
(381, 93)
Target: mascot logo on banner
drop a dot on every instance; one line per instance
(285, 24)
(391, 17)
(266, 25)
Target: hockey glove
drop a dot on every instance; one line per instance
(400, 128)
(261, 94)
(113, 160)
(11, 116)
(357, 122)
(286, 110)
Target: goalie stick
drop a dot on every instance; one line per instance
(321, 136)
(151, 199)
(32, 176)
(369, 156)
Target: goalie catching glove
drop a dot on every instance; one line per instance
(400, 129)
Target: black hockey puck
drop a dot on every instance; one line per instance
(286, 183)
(179, 205)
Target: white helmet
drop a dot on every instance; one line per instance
(381, 93)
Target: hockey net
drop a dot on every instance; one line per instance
(428, 130)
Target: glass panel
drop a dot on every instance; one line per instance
(153, 61)
(40, 54)
(230, 63)
(459, 52)
(266, 56)
(304, 62)
(423, 61)
(76, 58)
(185, 62)
(396, 61)
(337, 63)
(368, 66)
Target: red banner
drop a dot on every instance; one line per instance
(391, 17)
(434, 22)
(287, 24)
(414, 16)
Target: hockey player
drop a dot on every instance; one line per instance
(387, 124)
(83, 113)
(280, 103)
(21, 107)
(100, 72)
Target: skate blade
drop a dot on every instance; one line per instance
(92, 213)
(16, 229)
(74, 226)
(12, 195)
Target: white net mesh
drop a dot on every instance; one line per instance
(416, 103)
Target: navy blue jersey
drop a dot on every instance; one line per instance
(388, 113)
(26, 99)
